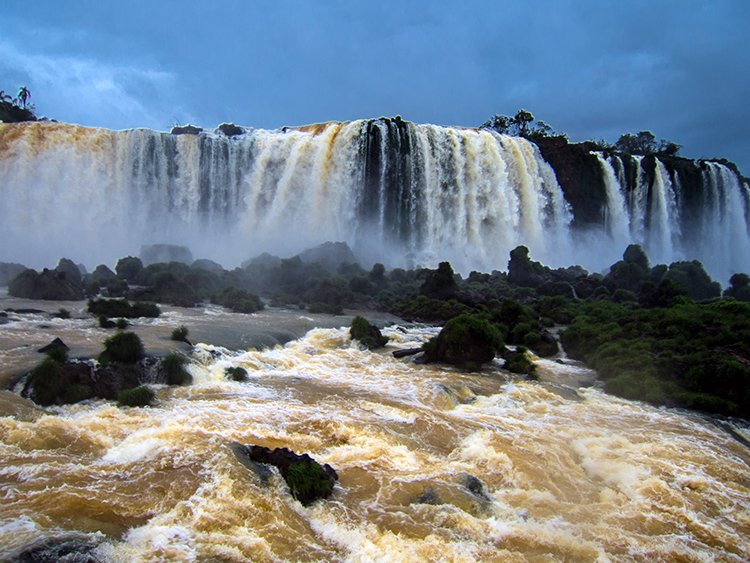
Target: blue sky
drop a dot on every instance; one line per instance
(591, 69)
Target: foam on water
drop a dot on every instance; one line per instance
(503, 470)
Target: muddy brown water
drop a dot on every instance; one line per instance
(435, 464)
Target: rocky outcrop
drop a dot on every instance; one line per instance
(48, 285)
(308, 480)
(330, 255)
(367, 334)
(70, 269)
(186, 130)
(8, 271)
(466, 340)
(230, 129)
(208, 266)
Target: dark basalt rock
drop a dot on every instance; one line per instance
(307, 479)
(367, 334)
(208, 266)
(47, 285)
(230, 129)
(330, 255)
(8, 271)
(186, 130)
(69, 268)
(406, 352)
(56, 343)
(68, 549)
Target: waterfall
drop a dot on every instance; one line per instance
(396, 192)
(616, 221)
(664, 227)
(725, 229)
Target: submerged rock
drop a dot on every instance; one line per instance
(308, 480)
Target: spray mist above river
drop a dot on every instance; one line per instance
(397, 192)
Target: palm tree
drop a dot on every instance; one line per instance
(23, 96)
(4, 97)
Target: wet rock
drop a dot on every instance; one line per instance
(429, 496)
(47, 285)
(263, 472)
(330, 255)
(307, 479)
(55, 344)
(406, 352)
(69, 268)
(69, 549)
(186, 130)
(466, 340)
(230, 129)
(367, 333)
(475, 487)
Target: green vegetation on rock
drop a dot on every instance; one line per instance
(141, 396)
(123, 347)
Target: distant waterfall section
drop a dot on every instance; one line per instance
(678, 210)
(397, 192)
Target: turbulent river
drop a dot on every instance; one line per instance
(433, 464)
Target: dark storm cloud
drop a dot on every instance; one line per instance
(591, 69)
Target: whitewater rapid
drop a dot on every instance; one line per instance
(434, 464)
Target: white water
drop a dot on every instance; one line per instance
(578, 475)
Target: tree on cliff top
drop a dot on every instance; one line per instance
(523, 124)
(645, 143)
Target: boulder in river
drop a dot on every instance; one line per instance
(308, 480)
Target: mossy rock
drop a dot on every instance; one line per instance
(467, 340)
(136, 397)
(366, 333)
(173, 366)
(124, 347)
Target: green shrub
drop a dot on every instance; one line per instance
(63, 313)
(325, 308)
(104, 322)
(77, 392)
(180, 334)
(518, 362)
(369, 335)
(47, 380)
(123, 347)
(122, 308)
(136, 397)
(307, 480)
(174, 369)
(238, 300)
(466, 340)
(236, 373)
(121, 324)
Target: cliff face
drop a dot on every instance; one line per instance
(396, 192)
